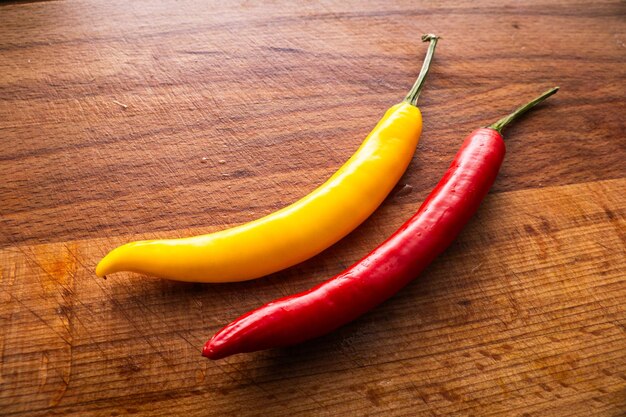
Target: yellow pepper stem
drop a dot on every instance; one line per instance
(415, 91)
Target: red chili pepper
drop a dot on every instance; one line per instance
(387, 268)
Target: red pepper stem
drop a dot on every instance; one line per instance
(414, 94)
(502, 123)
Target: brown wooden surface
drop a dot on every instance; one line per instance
(121, 120)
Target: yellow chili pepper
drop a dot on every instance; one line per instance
(299, 231)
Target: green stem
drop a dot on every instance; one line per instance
(414, 94)
(502, 123)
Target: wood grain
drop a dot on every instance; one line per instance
(283, 95)
(114, 117)
(521, 315)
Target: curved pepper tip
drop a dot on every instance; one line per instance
(101, 268)
(106, 265)
(119, 259)
(211, 352)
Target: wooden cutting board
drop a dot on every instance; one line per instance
(122, 120)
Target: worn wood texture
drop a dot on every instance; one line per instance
(122, 119)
